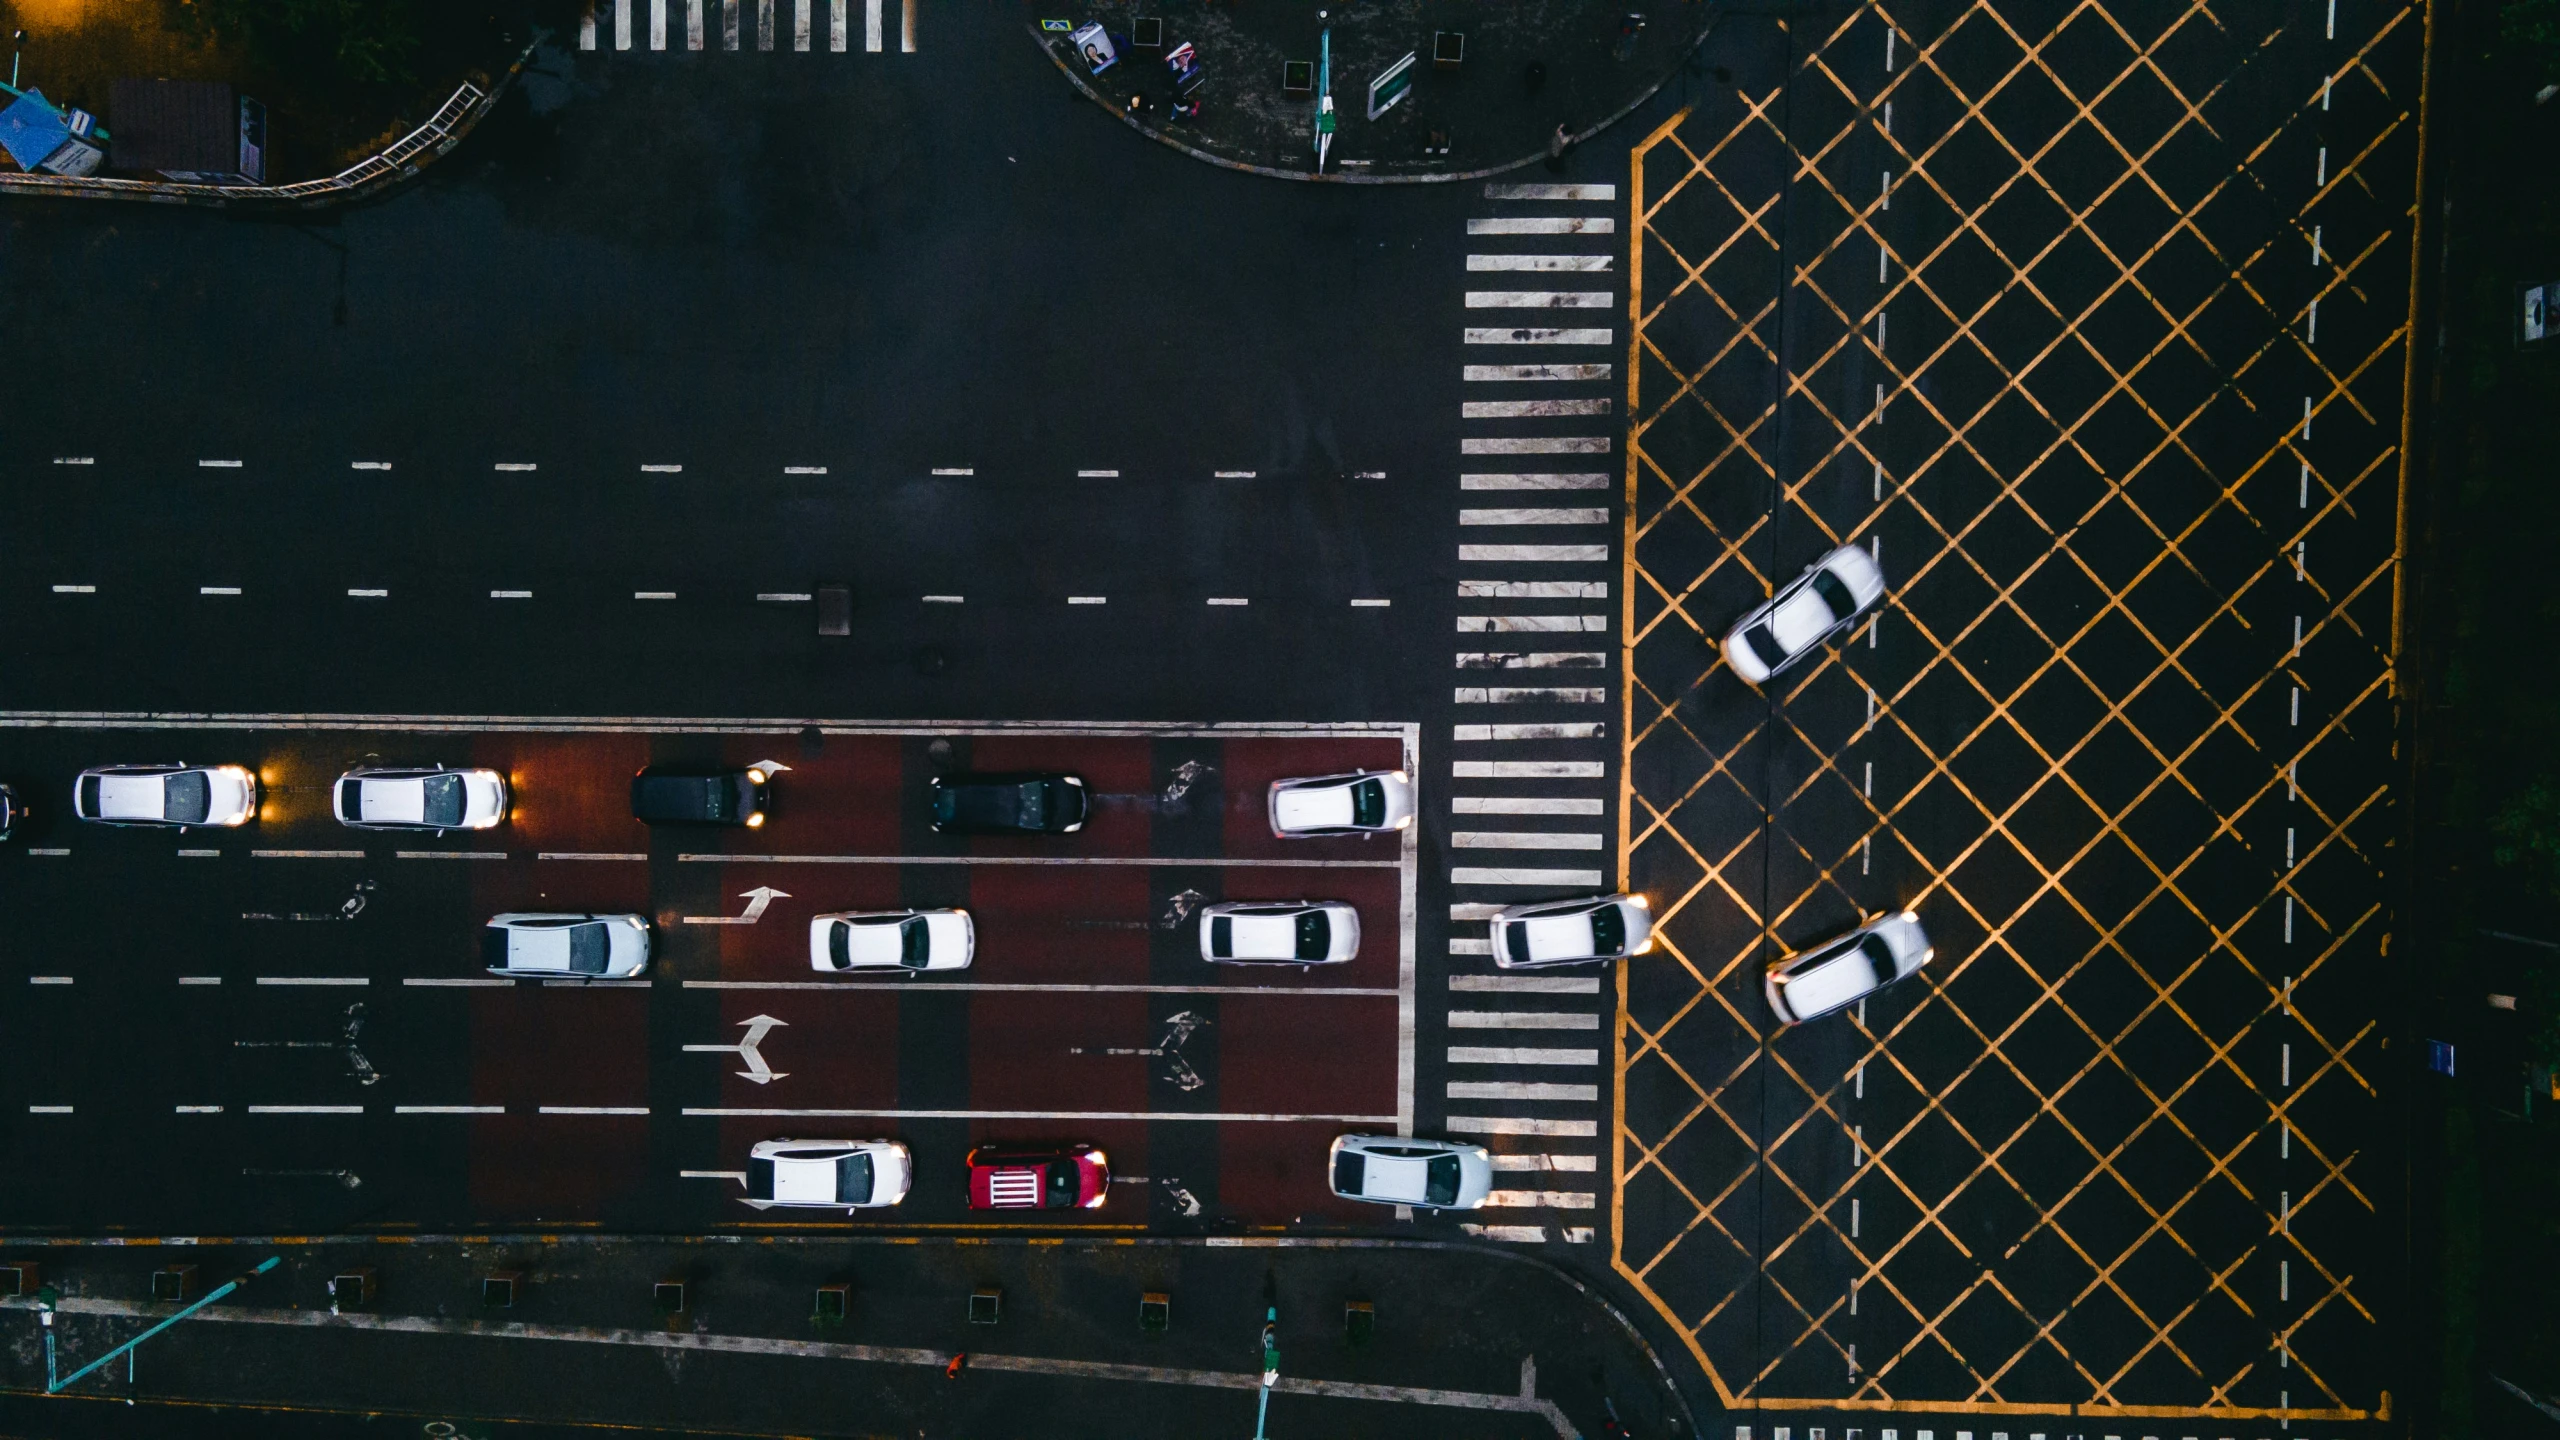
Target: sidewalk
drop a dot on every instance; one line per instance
(1522, 70)
(1465, 1341)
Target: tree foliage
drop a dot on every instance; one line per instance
(370, 42)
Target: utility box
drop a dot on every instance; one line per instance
(985, 1304)
(200, 131)
(833, 1304)
(174, 1284)
(669, 1296)
(351, 1289)
(1359, 1321)
(1155, 1311)
(20, 1277)
(499, 1289)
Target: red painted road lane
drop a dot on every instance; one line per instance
(1379, 895)
(1022, 1052)
(1080, 924)
(1275, 1174)
(1248, 766)
(1307, 1054)
(836, 1050)
(532, 1047)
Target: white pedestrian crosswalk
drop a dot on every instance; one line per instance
(1525, 1051)
(804, 26)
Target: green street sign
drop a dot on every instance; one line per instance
(1393, 84)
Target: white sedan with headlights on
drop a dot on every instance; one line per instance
(1591, 930)
(902, 942)
(843, 1175)
(1847, 970)
(1363, 802)
(1823, 601)
(570, 947)
(1409, 1170)
(392, 798)
(181, 795)
(1279, 932)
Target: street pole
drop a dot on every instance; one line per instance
(1324, 96)
(44, 1310)
(1270, 1369)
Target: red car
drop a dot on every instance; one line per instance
(1005, 1178)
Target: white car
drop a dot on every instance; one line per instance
(904, 941)
(1823, 601)
(180, 795)
(387, 798)
(1279, 932)
(828, 1174)
(594, 947)
(1363, 802)
(1407, 1170)
(1834, 976)
(1586, 931)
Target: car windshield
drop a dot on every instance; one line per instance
(493, 948)
(1062, 1183)
(1764, 645)
(1880, 955)
(186, 797)
(1834, 594)
(1608, 930)
(853, 1178)
(1349, 1169)
(588, 946)
(1222, 935)
(1516, 940)
(443, 799)
(840, 944)
(759, 1178)
(915, 943)
(1315, 936)
(1369, 804)
(1440, 1181)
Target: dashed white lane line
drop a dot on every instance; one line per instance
(1521, 1125)
(448, 1109)
(75, 460)
(1231, 474)
(1371, 604)
(589, 855)
(1097, 474)
(313, 980)
(217, 464)
(306, 854)
(368, 464)
(1524, 805)
(1369, 475)
(217, 589)
(459, 982)
(784, 597)
(1213, 1117)
(1228, 600)
(954, 470)
(1529, 409)
(355, 594)
(49, 1110)
(1546, 480)
(946, 599)
(56, 850)
(513, 467)
(1522, 1020)
(661, 469)
(591, 1109)
(449, 854)
(1578, 730)
(199, 854)
(1295, 992)
(510, 594)
(199, 979)
(75, 589)
(1516, 875)
(653, 594)
(305, 1109)
(48, 979)
(1545, 225)
(804, 469)
(197, 1109)
(1529, 770)
(1533, 589)
(1088, 599)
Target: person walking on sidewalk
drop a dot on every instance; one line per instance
(958, 1363)
(1557, 144)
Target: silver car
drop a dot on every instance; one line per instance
(844, 1175)
(391, 798)
(1823, 601)
(588, 947)
(181, 795)
(1588, 931)
(1408, 1170)
(1279, 932)
(902, 942)
(1362, 802)
(1847, 970)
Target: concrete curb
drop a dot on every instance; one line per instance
(1337, 177)
(412, 152)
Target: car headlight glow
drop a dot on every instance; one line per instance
(1405, 823)
(1640, 902)
(755, 777)
(1400, 778)
(755, 820)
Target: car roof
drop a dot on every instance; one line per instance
(1830, 983)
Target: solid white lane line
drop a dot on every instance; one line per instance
(591, 1110)
(1048, 988)
(197, 1109)
(199, 854)
(946, 599)
(1540, 1199)
(1532, 624)
(305, 1109)
(313, 980)
(1524, 840)
(1544, 191)
(1532, 659)
(1529, 409)
(1212, 862)
(449, 854)
(1535, 372)
(661, 469)
(804, 469)
(1533, 589)
(589, 855)
(75, 589)
(1538, 554)
(217, 464)
(1532, 695)
(1536, 445)
(1543, 480)
(1514, 875)
(1524, 984)
(653, 594)
(1539, 335)
(1545, 225)
(199, 979)
(1371, 604)
(1555, 515)
(1521, 1125)
(307, 854)
(513, 466)
(1584, 264)
(1521, 1020)
(1538, 299)
(1523, 805)
(1097, 474)
(367, 594)
(461, 982)
(448, 1109)
(1529, 770)
(217, 589)
(510, 594)
(1225, 1117)
(784, 597)
(1519, 1090)
(1228, 600)
(369, 465)
(1580, 730)
(954, 470)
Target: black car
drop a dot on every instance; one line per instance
(11, 812)
(668, 795)
(1009, 804)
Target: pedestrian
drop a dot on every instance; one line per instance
(958, 1363)
(1557, 144)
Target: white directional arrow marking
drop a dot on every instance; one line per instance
(770, 767)
(757, 1072)
(757, 899)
